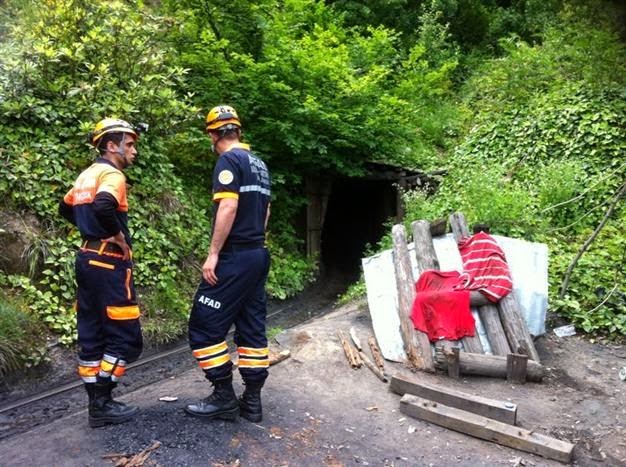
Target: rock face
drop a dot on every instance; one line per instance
(18, 233)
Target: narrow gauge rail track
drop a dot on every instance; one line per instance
(19, 416)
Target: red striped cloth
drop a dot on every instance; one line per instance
(484, 267)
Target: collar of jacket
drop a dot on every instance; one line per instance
(238, 146)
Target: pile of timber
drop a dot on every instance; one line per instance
(357, 358)
(483, 418)
(514, 354)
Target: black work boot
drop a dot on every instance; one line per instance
(250, 402)
(222, 403)
(103, 410)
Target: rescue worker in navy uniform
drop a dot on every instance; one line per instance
(109, 333)
(232, 290)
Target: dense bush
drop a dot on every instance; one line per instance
(545, 158)
(524, 108)
(65, 67)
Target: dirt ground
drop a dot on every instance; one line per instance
(320, 412)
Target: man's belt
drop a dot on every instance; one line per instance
(102, 248)
(232, 247)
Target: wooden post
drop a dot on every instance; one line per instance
(317, 191)
(452, 358)
(515, 327)
(486, 428)
(459, 226)
(459, 230)
(497, 338)
(368, 363)
(424, 249)
(516, 368)
(416, 343)
(351, 354)
(488, 314)
(425, 255)
(494, 366)
(378, 357)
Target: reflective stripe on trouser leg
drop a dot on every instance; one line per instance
(216, 307)
(88, 370)
(112, 367)
(214, 360)
(107, 313)
(253, 362)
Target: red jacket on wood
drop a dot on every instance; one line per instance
(441, 308)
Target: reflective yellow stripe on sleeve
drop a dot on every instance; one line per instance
(225, 194)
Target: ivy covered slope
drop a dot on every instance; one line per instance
(545, 160)
(63, 68)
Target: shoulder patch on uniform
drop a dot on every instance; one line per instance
(225, 177)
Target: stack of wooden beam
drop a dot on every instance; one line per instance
(514, 354)
(483, 418)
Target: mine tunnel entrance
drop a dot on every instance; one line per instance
(355, 217)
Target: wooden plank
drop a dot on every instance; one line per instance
(277, 357)
(495, 332)
(515, 327)
(487, 365)
(505, 412)
(516, 365)
(486, 428)
(416, 343)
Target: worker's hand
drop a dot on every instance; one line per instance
(120, 241)
(208, 268)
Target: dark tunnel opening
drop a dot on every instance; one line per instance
(356, 214)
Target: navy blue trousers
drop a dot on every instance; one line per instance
(109, 333)
(238, 298)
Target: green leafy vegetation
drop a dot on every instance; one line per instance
(545, 157)
(522, 106)
(21, 339)
(354, 292)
